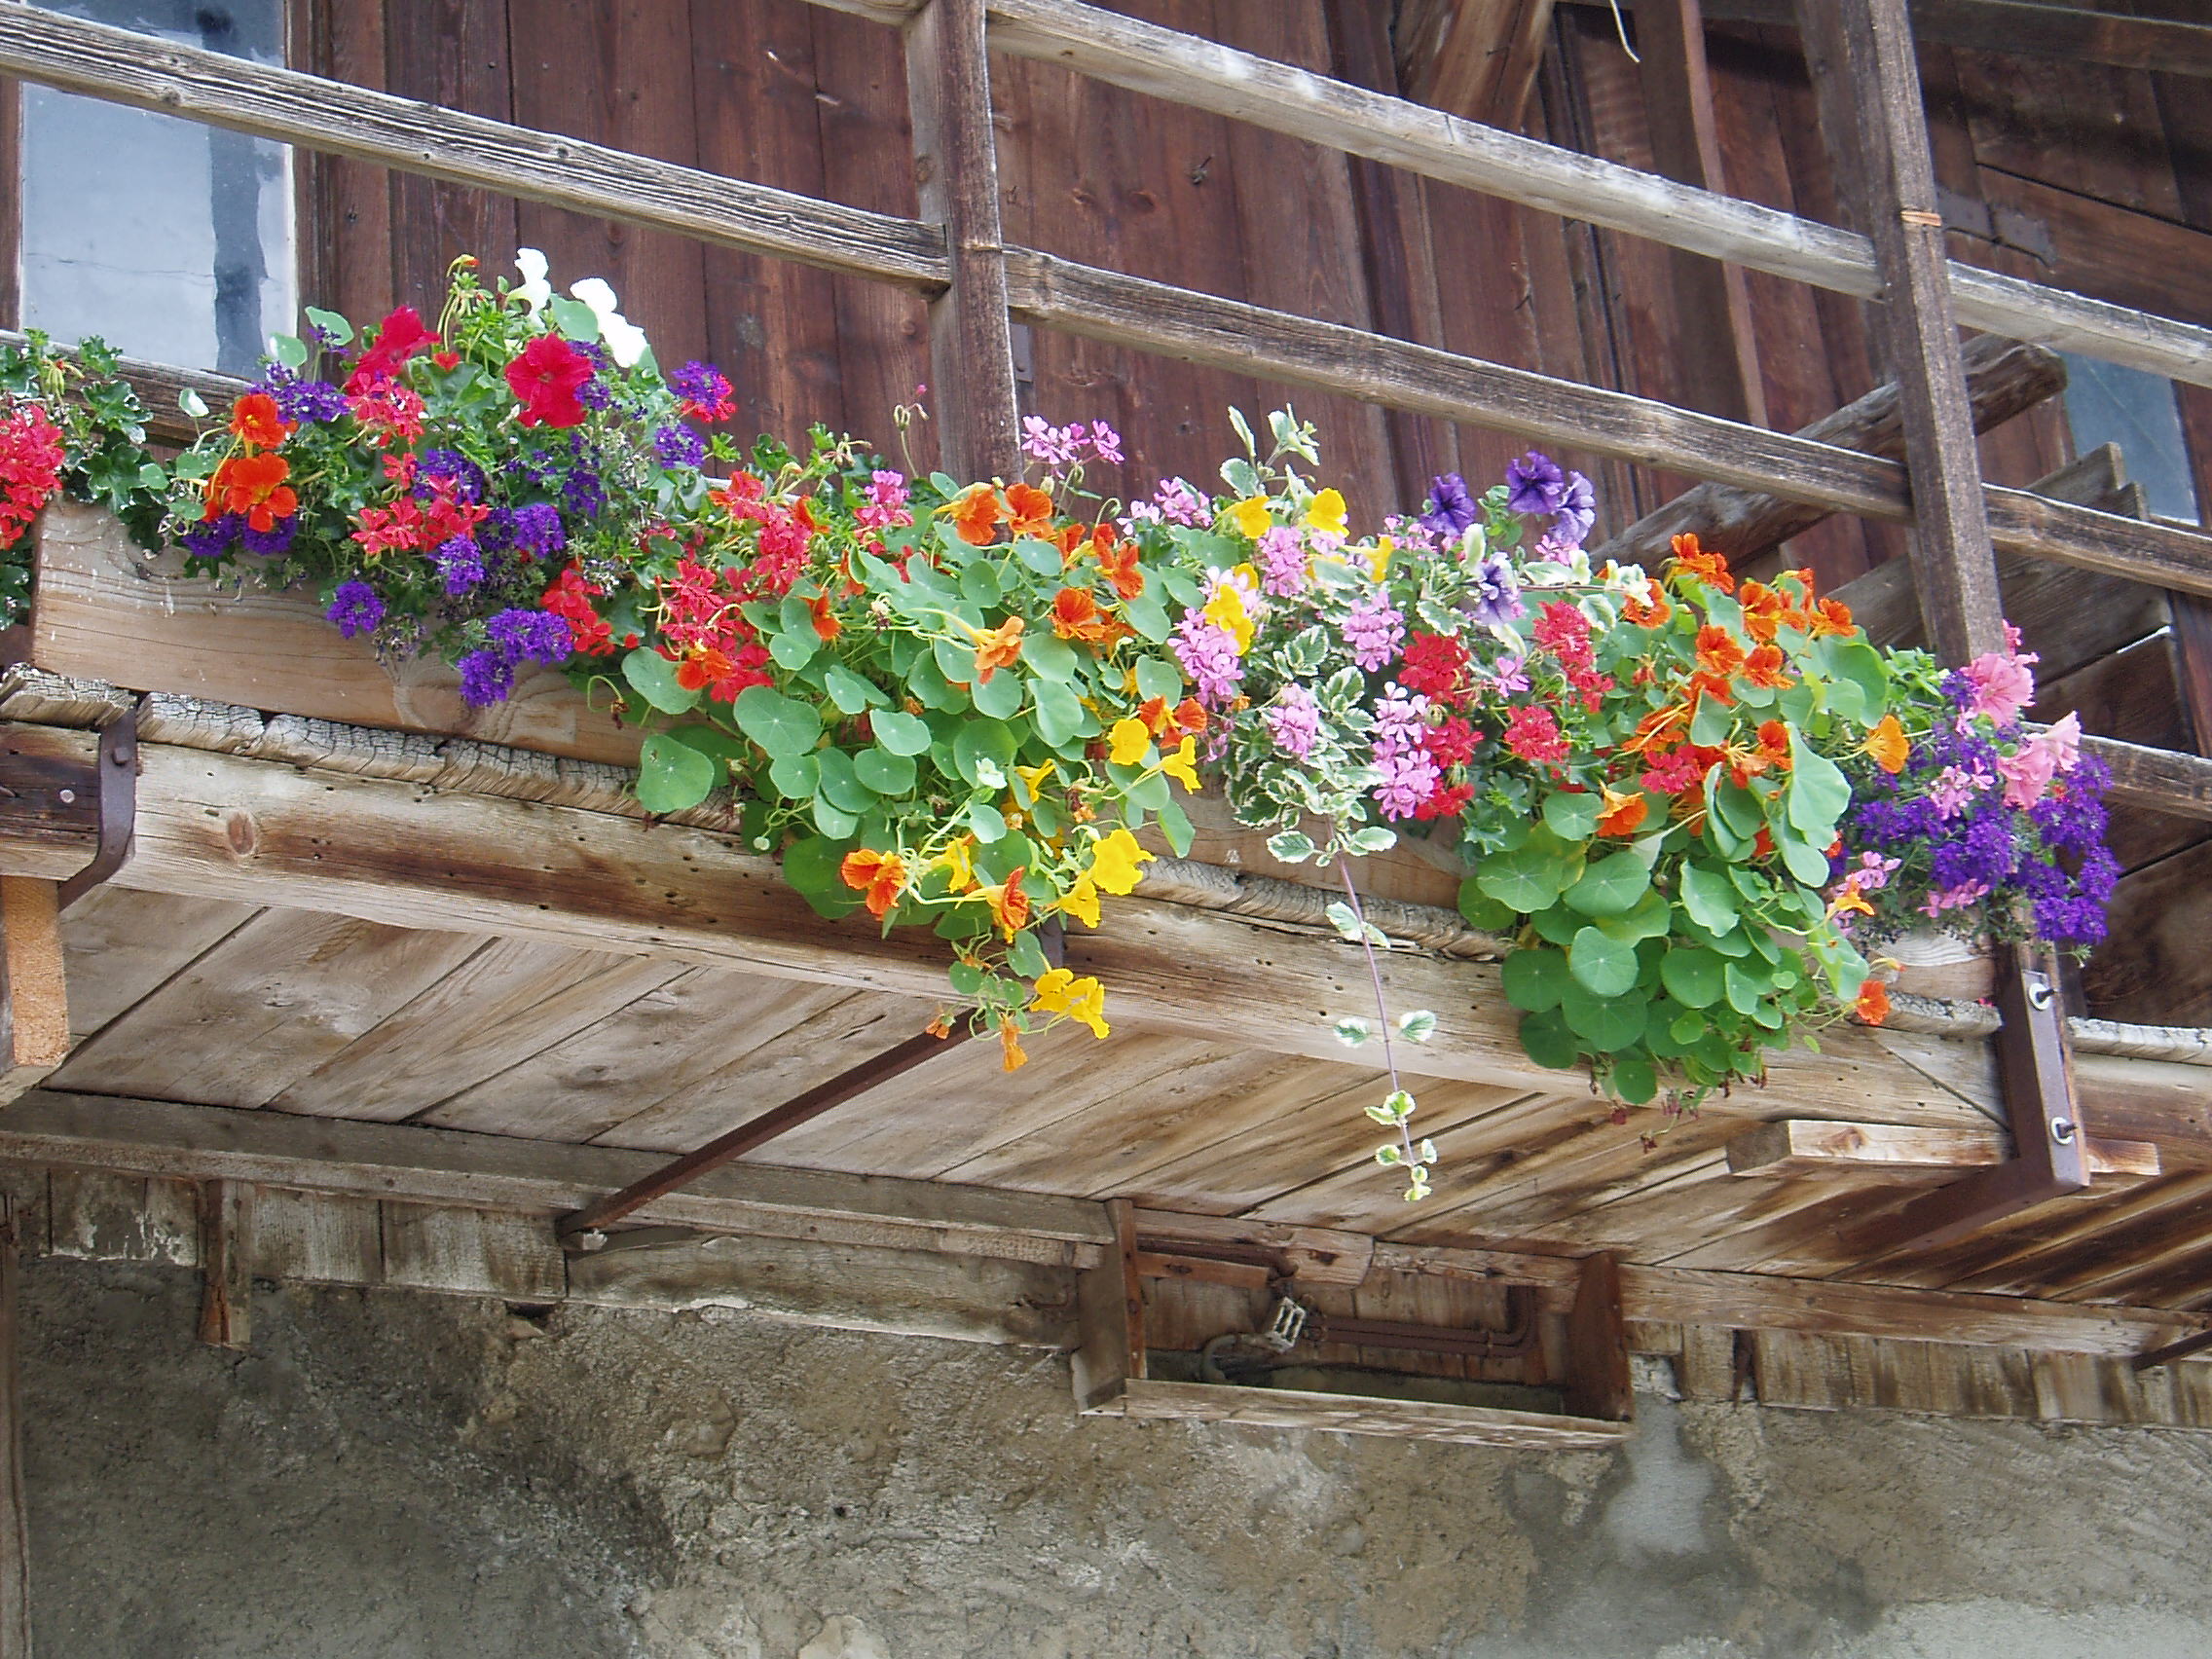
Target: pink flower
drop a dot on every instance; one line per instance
(1953, 788)
(2064, 741)
(2027, 775)
(2002, 685)
(1953, 897)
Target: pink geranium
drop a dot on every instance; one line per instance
(2002, 685)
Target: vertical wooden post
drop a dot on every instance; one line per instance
(1598, 1379)
(1110, 1307)
(226, 1282)
(956, 176)
(1714, 298)
(1955, 568)
(34, 1010)
(14, 1533)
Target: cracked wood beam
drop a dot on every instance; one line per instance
(34, 1018)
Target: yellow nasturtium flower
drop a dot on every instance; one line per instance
(1252, 518)
(1327, 513)
(1033, 777)
(1183, 764)
(1379, 561)
(1117, 862)
(958, 859)
(1129, 740)
(1225, 612)
(1059, 991)
(1081, 901)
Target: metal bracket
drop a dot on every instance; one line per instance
(118, 785)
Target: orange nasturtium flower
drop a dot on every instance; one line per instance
(878, 875)
(703, 666)
(1621, 814)
(1711, 569)
(1119, 560)
(1652, 613)
(1010, 905)
(996, 648)
(1717, 651)
(977, 514)
(826, 626)
(1075, 616)
(1029, 509)
(1764, 612)
(1829, 616)
(1873, 1005)
(1009, 1044)
(1888, 744)
(256, 421)
(253, 484)
(1766, 666)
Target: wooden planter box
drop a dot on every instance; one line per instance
(1149, 1308)
(103, 610)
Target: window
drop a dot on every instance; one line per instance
(169, 239)
(2109, 404)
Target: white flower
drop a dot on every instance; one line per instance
(622, 337)
(534, 290)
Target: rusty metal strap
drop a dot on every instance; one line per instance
(118, 785)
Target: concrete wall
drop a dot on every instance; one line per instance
(396, 1475)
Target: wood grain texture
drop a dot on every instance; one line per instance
(15, 1525)
(1797, 1146)
(1358, 1414)
(34, 1023)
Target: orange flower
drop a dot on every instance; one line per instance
(1888, 745)
(1717, 651)
(1190, 716)
(1076, 615)
(1153, 713)
(1657, 729)
(253, 484)
(1764, 612)
(1119, 560)
(1873, 1005)
(1765, 665)
(879, 875)
(1829, 616)
(996, 648)
(977, 514)
(256, 421)
(826, 626)
(701, 667)
(1774, 744)
(1654, 614)
(1623, 814)
(1030, 509)
(1010, 1046)
(1711, 569)
(1010, 905)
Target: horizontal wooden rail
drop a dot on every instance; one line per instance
(149, 73)
(1242, 86)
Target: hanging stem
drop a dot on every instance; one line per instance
(1381, 1011)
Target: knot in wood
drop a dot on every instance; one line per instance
(240, 830)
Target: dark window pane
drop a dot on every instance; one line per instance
(2108, 404)
(172, 240)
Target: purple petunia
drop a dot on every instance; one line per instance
(1450, 509)
(460, 562)
(1577, 511)
(1494, 597)
(355, 608)
(678, 446)
(529, 635)
(1534, 484)
(486, 678)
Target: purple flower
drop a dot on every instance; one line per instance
(486, 678)
(467, 477)
(1495, 598)
(1448, 509)
(529, 635)
(595, 394)
(1105, 443)
(1534, 484)
(704, 388)
(1409, 778)
(1173, 502)
(1283, 562)
(1577, 511)
(355, 608)
(1050, 446)
(534, 530)
(304, 402)
(275, 539)
(583, 493)
(678, 446)
(1209, 655)
(1294, 721)
(211, 538)
(460, 562)
(1373, 631)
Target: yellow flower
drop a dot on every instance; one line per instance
(1033, 777)
(1327, 513)
(1081, 901)
(1225, 612)
(1379, 561)
(1182, 765)
(1117, 861)
(958, 859)
(1129, 739)
(1251, 518)
(1059, 991)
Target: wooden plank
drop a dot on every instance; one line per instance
(1476, 59)
(15, 1532)
(472, 1252)
(120, 947)
(2073, 34)
(119, 66)
(1316, 1255)
(1802, 1147)
(35, 1020)
(1354, 1414)
(226, 1257)
(318, 1237)
(96, 1216)
(1598, 1381)
(1110, 1350)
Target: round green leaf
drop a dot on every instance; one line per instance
(1525, 882)
(1610, 886)
(1158, 678)
(1746, 985)
(840, 785)
(1573, 817)
(1635, 1081)
(1693, 977)
(794, 777)
(1041, 557)
(1603, 965)
(1534, 979)
(1548, 1042)
(898, 732)
(847, 689)
(779, 724)
(1048, 654)
(884, 772)
(1480, 909)
(793, 648)
(1059, 714)
(1710, 899)
(1818, 791)
(1000, 696)
(672, 775)
(982, 740)
(1605, 1023)
(833, 821)
(810, 866)
(653, 678)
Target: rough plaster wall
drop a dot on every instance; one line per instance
(391, 1476)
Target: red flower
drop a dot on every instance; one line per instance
(1449, 801)
(1435, 665)
(253, 484)
(31, 457)
(1563, 631)
(255, 421)
(570, 598)
(545, 378)
(399, 339)
(1451, 744)
(1533, 734)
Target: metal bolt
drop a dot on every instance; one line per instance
(2062, 1131)
(69, 797)
(2040, 994)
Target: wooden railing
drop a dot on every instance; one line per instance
(975, 283)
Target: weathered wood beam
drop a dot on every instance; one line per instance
(1351, 362)
(1476, 59)
(15, 1529)
(1206, 74)
(1802, 1147)
(226, 1256)
(222, 826)
(147, 72)
(2004, 379)
(34, 989)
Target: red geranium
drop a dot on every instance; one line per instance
(31, 456)
(399, 339)
(545, 379)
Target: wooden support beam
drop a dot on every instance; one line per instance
(1110, 1307)
(34, 1015)
(226, 1255)
(1597, 1383)
(1718, 347)
(15, 1530)
(956, 178)
(1476, 59)
(1817, 1147)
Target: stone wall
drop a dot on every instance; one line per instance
(405, 1476)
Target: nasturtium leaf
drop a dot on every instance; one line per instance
(848, 690)
(1609, 886)
(1746, 984)
(1548, 1042)
(1603, 965)
(810, 866)
(779, 724)
(1059, 714)
(1175, 825)
(931, 689)
(1148, 616)
(1802, 859)
(1859, 688)
(980, 583)
(1011, 852)
(834, 820)
(884, 772)
(1649, 918)
(1556, 926)
(1737, 807)
(1151, 794)
(1693, 977)
(967, 979)
(1635, 1081)
(653, 678)
(840, 785)
(192, 403)
(979, 740)
(1027, 956)
(1573, 817)
(1710, 899)
(336, 330)
(1818, 791)
(1482, 911)
(1040, 556)
(289, 349)
(794, 777)
(1526, 880)
(1688, 1027)
(1156, 678)
(673, 775)
(1534, 979)
(572, 318)
(1050, 655)
(899, 732)
(986, 822)
(1606, 1023)
(1709, 727)
(999, 696)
